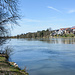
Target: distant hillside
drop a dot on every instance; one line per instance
(62, 32)
(38, 34)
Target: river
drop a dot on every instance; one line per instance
(54, 56)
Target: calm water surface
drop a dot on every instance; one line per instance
(55, 56)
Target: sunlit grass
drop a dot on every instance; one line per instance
(6, 68)
(2, 58)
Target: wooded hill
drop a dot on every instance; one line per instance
(38, 34)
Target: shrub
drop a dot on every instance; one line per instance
(8, 51)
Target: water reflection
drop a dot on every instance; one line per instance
(60, 40)
(54, 56)
(53, 40)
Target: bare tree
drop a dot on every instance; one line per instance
(8, 14)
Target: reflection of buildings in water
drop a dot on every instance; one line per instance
(69, 41)
(60, 40)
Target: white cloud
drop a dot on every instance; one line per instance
(54, 9)
(71, 11)
(31, 20)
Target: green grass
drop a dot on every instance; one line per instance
(8, 69)
(2, 58)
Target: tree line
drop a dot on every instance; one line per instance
(46, 34)
(38, 34)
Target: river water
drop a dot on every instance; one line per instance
(55, 56)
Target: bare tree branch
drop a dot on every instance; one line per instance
(8, 13)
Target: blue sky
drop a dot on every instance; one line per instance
(39, 15)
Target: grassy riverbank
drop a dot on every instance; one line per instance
(7, 68)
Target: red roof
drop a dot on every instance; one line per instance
(72, 28)
(62, 28)
(66, 28)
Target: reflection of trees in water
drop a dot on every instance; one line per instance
(60, 40)
(69, 41)
(53, 40)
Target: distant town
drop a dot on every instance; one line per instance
(62, 32)
(69, 30)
